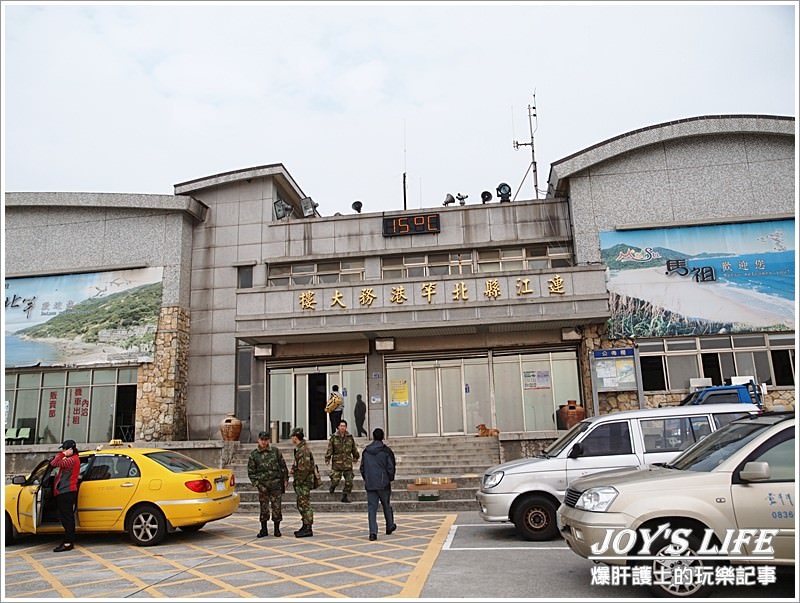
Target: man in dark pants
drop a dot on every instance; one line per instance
(268, 473)
(65, 490)
(377, 469)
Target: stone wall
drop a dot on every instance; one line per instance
(161, 395)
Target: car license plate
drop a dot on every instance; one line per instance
(220, 484)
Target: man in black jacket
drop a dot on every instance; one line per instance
(377, 469)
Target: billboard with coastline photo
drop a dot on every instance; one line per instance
(79, 319)
(701, 280)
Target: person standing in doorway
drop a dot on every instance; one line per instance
(303, 472)
(342, 451)
(268, 473)
(377, 469)
(334, 407)
(65, 490)
(360, 413)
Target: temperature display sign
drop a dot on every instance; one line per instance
(413, 224)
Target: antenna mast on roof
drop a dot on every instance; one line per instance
(517, 145)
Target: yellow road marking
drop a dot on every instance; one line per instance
(45, 573)
(151, 590)
(423, 568)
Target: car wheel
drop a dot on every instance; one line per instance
(195, 527)
(11, 533)
(670, 570)
(147, 526)
(535, 518)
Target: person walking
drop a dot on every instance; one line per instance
(334, 407)
(268, 473)
(65, 490)
(360, 414)
(341, 453)
(303, 472)
(377, 469)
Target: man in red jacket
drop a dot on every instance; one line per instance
(65, 489)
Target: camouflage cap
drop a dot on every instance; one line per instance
(263, 435)
(297, 431)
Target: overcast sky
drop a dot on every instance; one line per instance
(348, 97)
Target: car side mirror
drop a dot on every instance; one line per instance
(755, 471)
(18, 480)
(576, 451)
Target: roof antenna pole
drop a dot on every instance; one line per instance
(517, 145)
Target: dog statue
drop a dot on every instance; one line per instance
(485, 432)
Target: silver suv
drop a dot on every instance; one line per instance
(528, 491)
(708, 506)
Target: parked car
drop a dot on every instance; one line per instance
(745, 393)
(528, 491)
(740, 477)
(146, 492)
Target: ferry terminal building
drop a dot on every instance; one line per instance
(658, 257)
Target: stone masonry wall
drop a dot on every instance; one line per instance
(163, 384)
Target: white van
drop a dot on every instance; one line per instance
(528, 491)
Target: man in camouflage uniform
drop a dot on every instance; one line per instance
(303, 472)
(268, 473)
(342, 450)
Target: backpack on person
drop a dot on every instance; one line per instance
(334, 402)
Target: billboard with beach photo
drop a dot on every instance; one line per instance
(701, 280)
(79, 319)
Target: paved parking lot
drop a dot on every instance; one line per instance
(443, 556)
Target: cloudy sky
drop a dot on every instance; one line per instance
(349, 96)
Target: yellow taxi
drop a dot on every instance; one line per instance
(146, 492)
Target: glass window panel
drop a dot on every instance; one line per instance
(399, 417)
(11, 380)
(414, 260)
(728, 366)
(744, 364)
(489, 267)
(438, 258)
(78, 377)
(508, 395)
(278, 282)
(513, 252)
(280, 270)
(128, 375)
(351, 277)
(763, 374)
(557, 249)
(783, 340)
(245, 276)
(452, 401)
(538, 264)
(512, 265)
(243, 366)
(303, 268)
(687, 343)
(681, 369)
(27, 409)
(328, 278)
(101, 419)
(537, 393)
(534, 251)
(328, 266)
(243, 404)
(651, 346)
(715, 343)
(30, 379)
(301, 280)
(105, 376)
(54, 379)
(352, 264)
(415, 271)
(76, 413)
(488, 254)
(556, 263)
(608, 439)
(476, 392)
(463, 256)
(566, 381)
(748, 341)
(354, 384)
(711, 368)
(392, 262)
(281, 400)
(439, 270)
(392, 274)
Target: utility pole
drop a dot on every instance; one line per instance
(517, 145)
